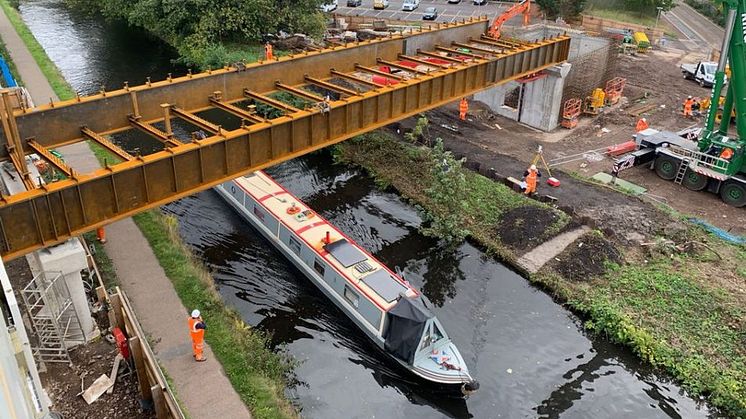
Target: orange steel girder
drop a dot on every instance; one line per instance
(49, 215)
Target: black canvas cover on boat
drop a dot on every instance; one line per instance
(407, 321)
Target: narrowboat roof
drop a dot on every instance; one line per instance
(366, 274)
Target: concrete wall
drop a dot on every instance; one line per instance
(542, 99)
(495, 99)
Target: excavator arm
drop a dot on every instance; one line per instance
(514, 10)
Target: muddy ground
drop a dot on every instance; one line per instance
(62, 382)
(493, 142)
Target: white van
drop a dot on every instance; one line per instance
(329, 6)
(410, 5)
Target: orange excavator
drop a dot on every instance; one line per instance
(514, 10)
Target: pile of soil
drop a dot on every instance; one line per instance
(586, 258)
(62, 383)
(525, 227)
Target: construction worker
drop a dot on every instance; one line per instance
(531, 177)
(268, 52)
(727, 153)
(197, 328)
(688, 105)
(642, 125)
(463, 108)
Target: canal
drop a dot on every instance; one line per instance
(531, 355)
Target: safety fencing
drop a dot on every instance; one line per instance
(154, 388)
(598, 24)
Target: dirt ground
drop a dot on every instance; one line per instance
(493, 142)
(586, 258)
(62, 382)
(523, 228)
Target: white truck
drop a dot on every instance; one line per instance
(702, 72)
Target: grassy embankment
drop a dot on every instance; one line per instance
(256, 372)
(616, 10)
(682, 312)
(50, 71)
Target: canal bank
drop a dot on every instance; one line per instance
(678, 309)
(529, 351)
(140, 272)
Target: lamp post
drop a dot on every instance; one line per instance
(658, 16)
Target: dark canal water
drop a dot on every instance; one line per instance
(529, 353)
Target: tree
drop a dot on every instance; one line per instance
(448, 195)
(551, 8)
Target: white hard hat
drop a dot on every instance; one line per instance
(195, 313)
(533, 167)
(644, 119)
(690, 96)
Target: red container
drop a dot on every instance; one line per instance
(623, 148)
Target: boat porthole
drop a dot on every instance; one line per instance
(233, 189)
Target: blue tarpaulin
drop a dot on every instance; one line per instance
(719, 232)
(8, 80)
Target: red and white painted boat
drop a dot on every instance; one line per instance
(387, 308)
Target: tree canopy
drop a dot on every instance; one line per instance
(206, 30)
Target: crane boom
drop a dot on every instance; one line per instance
(514, 10)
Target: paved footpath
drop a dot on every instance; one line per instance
(202, 388)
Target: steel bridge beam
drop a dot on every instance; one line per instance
(49, 215)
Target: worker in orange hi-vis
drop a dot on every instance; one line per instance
(727, 153)
(531, 176)
(268, 52)
(688, 105)
(463, 108)
(197, 328)
(642, 125)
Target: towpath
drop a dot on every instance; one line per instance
(202, 388)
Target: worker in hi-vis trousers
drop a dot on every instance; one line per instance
(463, 108)
(531, 176)
(642, 125)
(197, 328)
(268, 52)
(688, 107)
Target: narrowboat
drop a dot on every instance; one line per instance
(392, 313)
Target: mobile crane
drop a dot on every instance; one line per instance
(514, 10)
(715, 160)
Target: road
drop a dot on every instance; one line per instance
(446, 12)
(699, 32)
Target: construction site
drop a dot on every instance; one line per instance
(488, 215)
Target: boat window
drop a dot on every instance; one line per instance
(259, 213)
(352, 296)
(318, 267)
(437, 334)
(427, 340)
(294, 246)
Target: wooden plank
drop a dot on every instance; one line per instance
(114, 372)
(159, 402)
(97, 388)
(116, 307)
(101, 294)
(142, 374)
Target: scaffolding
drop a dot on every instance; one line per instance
(55, 322)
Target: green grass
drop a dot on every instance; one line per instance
(672, 321)
(685, 314)
(407, 169)
(256, 372)
(11, 65)
(622, 16)
(50, 71)
(103, 261)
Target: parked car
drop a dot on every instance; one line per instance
(354, 3)
(431, 13)
(480, 2)
(454, 1)
(329, 6)
(410, 5)
(380, 4)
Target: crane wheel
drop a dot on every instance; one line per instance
(694, 181)
(666, 167)
(733, 193)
